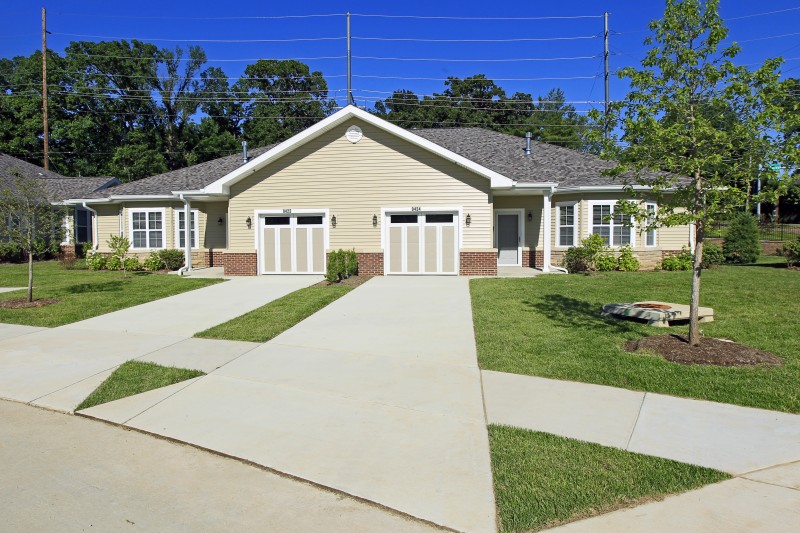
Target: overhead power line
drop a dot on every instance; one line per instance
(764, 13)
(769, 37)
(245, 17)
(510, 40)
(218, 60)
(474, 60)
(432, 17)
(298, 39)
(491, 78)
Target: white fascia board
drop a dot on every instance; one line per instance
(80, 201)
(222, 185)
(199, 195)
(142, 198)
(601, 188)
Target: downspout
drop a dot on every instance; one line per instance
(548, 223)
(95, 244)
(187, 240)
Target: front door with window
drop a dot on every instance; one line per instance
(508, 239)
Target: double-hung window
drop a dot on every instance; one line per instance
(83, 225)
(147, 228)
(566, 224)
(615, 228)
(180, 228)
(650, 234)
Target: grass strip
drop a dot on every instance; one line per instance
(543, 480)
(135, 377)
(550, 326)
(272, 319)
(83, 294)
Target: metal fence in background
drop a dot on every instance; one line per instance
(767, 231)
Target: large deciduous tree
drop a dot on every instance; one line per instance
(676, 149)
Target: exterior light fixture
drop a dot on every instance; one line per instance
(468, 220)
(249, 222)
(530, 216)
(333, 221)
(374, 220)
(220, 221)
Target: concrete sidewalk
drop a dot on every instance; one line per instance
(766, 500)
(66, 473)
(377, 395)
(59, 367)
(726, 437)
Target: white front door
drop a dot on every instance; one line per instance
(508, 239)
(422, 243)
(292, 244)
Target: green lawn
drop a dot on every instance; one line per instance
(135, 377)
(84, 294)
(268, 321)
(542, 480)
(551, 326)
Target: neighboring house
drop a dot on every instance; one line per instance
(434, 201)
(78, 223)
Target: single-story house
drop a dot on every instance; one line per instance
(429, 201)
(58, 188)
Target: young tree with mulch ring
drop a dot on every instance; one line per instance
(696, 129)
(29, 220)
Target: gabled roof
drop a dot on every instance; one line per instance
(57, 187)
(222, 185)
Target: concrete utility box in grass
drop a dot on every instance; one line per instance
(659, 314)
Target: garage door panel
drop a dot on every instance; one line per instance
(431, 249)
(292, 244)
(318, 249)
(448, 249)
(301, 250)
(270, 262)
(412, 249)
(422, 243)
(396, 250)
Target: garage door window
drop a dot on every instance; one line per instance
(309, 221)
(404, 219)
(439, 219)
(276, 221)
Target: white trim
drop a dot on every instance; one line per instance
(163, 211)
(574, 204)
(222, 185)
(590, 217)
(386, 212)
(178, 211)
(520, 212)
(547, 222)
(645, 232)
(258, 236)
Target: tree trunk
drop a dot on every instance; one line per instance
(694, 306)
(30, 276)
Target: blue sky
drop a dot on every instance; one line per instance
(200, 19)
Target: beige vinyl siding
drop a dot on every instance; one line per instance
(354, 181)
(107, 224)
(666, 238)
(213, 236)
(532, 205)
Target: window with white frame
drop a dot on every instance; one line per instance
(566, 224)
(615, 228)
(83, 225)
(650, 234)
(180, 227)
(147, 228)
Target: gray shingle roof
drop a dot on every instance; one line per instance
(185, 179)
(505, 154)
(56, 186)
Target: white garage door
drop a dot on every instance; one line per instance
(422, 243)
(292, 244)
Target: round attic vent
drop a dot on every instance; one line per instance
(354, 134)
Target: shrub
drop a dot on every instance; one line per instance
(172, 259)
(791, 251)
(114, 262)
(132, 264)
(337, 269)
(95, 261)
(680, 261)
(584, 258)
(153, 262)
(741, 244)
(351, 263)
(627, 262)
(712, 255)
(605, 262)
(10, 253)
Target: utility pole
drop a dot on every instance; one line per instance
(605, 71)
(44, 90)
(349, 82)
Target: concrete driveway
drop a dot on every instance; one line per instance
(377, 395)
(59, 367)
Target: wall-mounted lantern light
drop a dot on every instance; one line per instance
(374, 221)
(468, 220)
(530, 216)
(333, 221)
(249, 222)
(221, 221)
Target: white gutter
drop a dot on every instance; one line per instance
(95, 244)
(187, 240)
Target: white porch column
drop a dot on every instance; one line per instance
(547, 223)
(187, 229)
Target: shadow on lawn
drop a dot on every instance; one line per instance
(107, 286)
(571, 312)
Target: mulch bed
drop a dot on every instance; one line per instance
(711, 351)
(23, 303)
(353, 281)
